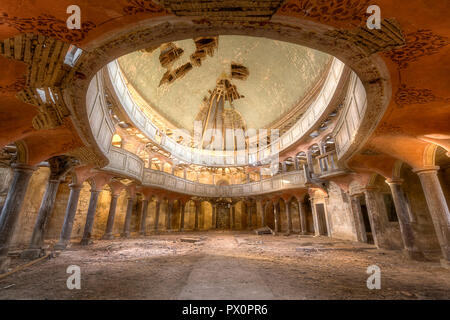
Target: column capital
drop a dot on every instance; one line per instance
(395, 181)
(115, 195)
(75, 186)
(371, 189)
(427, 169)
(23, 167)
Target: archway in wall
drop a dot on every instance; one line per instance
(270, 218)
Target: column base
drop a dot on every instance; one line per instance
(4, 264)
(445, 264)
(32, 254)
(86, 242)
(61, 246)
(415, 255)
(143, 233)
(125, 235)
(107, 237)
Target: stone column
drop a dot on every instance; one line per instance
(11, 209)
(276, 210)
(112, 213)
(127, 223)
(266, 205)
(260, 212)
(401, 207)
(169, 214)
(248, 209)
(283, 167)
(360, 229)
(90, 217)
(182, 208)
(302, 217)
(35, 249)
(377, 217)
(197, 213)
(309, 161)
(233, 217)
(157, 208)
(437, 205)
(296, 163)
(328, 221)
(143, 217)
(71, 210)
(216, 216)
(213, 216)
(288, 216)
(230, 209)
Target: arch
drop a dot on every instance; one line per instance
(429, 155)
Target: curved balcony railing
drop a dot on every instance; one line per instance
(128, 165)
(306, 123)
(353, 113)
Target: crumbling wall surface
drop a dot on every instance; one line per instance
(30, 208)
(340, 213)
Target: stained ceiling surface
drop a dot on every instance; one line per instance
(280, 75)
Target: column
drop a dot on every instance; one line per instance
(302, 217)
(127, 223)
(169, 214)
(233, 217)
(143, 216)
(248, 208)
(11, 209)
(283, 167)
(260, 212)
(296, 163)
(276, 210)
(197, 213)
(230, 226)
(35, 250)
(266, 205)
(184, 173)
(157, 208)
(90, 217)
(213, 217)
(216, 219)
(182, 208)
(401, 207)
(376, 217)
(288, 216)
(309, 161)
(437, 205)
(112, 213)
(358, 219)
(71, 210)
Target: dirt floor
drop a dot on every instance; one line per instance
(228, 265)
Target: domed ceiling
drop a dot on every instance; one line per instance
(271, 77)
